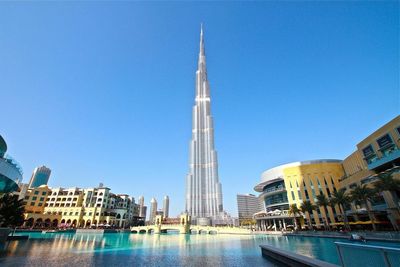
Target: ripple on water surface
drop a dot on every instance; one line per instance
(68, 249)
(134, 250)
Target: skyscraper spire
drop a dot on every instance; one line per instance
(203, 189)
(202, 52)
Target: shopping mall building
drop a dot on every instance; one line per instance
(293, 183)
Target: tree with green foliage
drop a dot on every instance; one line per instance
(294, 211)
(363, 195)
(308, 207)
(11, 211)
(342, 199)
(388, 186)
(322, 201)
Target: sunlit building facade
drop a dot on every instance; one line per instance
(247, 205)
(203, 189)
(377, 154)
(293, 183)
(76, 207)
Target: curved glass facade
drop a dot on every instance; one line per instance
(275, 196)
(10, 171)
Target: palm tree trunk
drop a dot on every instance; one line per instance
(295, 222)
(371, 217)
(392, 209)
(309, 221)
(345, 221)
(326, 218)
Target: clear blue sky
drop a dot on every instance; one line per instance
(103, 91)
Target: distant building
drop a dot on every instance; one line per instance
(153, 210)
(23, 189)
(247, 205)
(166, 207)
(76, 207)
(10, 171)
(142, 208)
(40, 176)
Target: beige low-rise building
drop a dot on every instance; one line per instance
(76, 207)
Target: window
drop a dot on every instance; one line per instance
(44, 193)
(42, 199)
(40, 204)
(299, 194)
(292, 195)
(27, 197)
(32, 203)
(76, 213)
(398, 130)
(36, 192)
(368, 151)
(34, 198)
(384, 141)
(70, 214)
(65, 213)
(306, 193)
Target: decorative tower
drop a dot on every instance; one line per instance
(203, 189)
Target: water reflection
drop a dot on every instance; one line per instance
(69, 249)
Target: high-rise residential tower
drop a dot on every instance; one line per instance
(248, 205)
(166, 207)
(203, 189)
(153, 209)
(40, 176)
(142, 208)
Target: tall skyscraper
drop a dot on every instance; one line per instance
(153, 209)
(142, 207)
(203, 189)
(166, 207)
(40, 176)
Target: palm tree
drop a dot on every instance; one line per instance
(342, 199)
(294, 210)
(363, 195)
(322, 201)
(388, 186)
(308, 207)
(11, 211)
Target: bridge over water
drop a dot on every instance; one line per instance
(184, 227)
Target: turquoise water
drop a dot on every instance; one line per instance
(124, 249)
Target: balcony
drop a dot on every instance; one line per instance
(388, 156)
